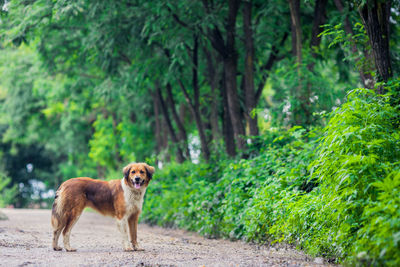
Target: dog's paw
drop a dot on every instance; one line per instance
(71, 250)
(57, 248)
(137, 248)
(128, 249)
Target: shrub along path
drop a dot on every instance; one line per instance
(25, 239)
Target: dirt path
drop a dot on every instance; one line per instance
(25, 240)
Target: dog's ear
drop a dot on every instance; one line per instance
(126, 170)
(150, 170)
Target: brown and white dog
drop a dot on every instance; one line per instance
(121, 199)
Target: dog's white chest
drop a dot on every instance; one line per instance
(133, 199)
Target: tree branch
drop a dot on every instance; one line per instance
(273, 57)
(178, 20)
(186, 94)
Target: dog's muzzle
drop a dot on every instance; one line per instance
(137, 182)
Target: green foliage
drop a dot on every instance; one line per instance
(6, 193)
(321, 88)
(359, 150)
(215, 199)
(351, 44)
(332, 192)
(355, 167)
(103, 143)
(378, 241)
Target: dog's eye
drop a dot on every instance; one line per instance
(142, 172)
(133, 171)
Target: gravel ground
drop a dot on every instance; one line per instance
(25, 240)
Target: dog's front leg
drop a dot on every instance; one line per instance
(133, 223)
(123, 228)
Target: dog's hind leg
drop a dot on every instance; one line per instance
(72, 219)
(56, 235)
(58, 226)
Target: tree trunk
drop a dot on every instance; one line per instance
(375, 16)
(301, 95)
(179, 154)
(230, 66)
(195, 110)
(227, 127)
(195, 83)
(118, 157)
(249, 70)
(182, 132)
(157, 126)
(213, 81)
(195, 105)
(273, 57)
(366, 78)
(229, 57)
(319, 20)
(294, 6)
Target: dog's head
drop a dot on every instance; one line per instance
(138, 175)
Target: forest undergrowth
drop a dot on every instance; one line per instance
(332, 191)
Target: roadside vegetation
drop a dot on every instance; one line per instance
(332, 191)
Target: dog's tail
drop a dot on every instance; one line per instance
(57, 210)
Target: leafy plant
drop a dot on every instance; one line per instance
(333, 192)
(6, 193)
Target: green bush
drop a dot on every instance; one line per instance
(6, 193)
(333, 192)
(214, 199)
(353, 213)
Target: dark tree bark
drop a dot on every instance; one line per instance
(229, 56)
(157, 125)
(273, 57)
(230, 63)
(182, 132)
(302, 94)
(161, 128)
(117, 149)
(375, 16)
(366, 78)
(227, 128)
(195, 105)
(195, 110)
(294, 6)
(319, 19)
(179, 154)
(250, 97)
(213, 81)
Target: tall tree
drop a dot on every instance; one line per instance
(213, 77)
(375, 16)
(319, 20)
(228, 53)
(364, 69)
(302, 93)
(195, 105)
(183, 139)
(179, 153)
(250, 96)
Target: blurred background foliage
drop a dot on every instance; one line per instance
(268, 121)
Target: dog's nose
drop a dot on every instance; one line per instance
(137, 179)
